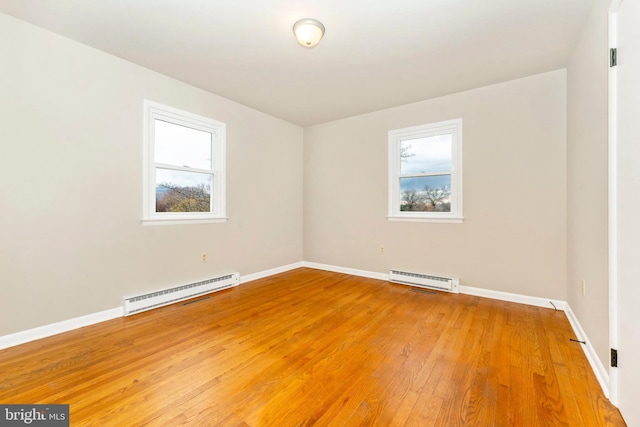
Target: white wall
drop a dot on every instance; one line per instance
(587, 180)
(71, 240)
(513, 238)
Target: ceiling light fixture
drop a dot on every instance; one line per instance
(308, 32)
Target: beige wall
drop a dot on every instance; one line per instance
(71, 241)
(513, 238)
(587, 207)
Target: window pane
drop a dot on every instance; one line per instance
(426, 194)
(425, 155)
(178, 191)
(182, 146)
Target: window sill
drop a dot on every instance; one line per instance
(416, 218)
(183, 221)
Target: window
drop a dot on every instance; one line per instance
(184, 177)
(425, 172)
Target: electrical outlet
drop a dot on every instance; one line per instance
(203, 257)
(584, 288)
(381, 250)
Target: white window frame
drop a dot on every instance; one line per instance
(396, 137)
(153, 111)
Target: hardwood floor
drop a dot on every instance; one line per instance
(310, 347)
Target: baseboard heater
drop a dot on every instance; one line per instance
(139, 303)
(438, 283)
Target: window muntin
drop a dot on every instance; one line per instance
(425, 175)
(184, 167)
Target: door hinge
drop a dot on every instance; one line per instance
(614, 358)
(613, 57)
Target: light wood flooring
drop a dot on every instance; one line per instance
(311, 347)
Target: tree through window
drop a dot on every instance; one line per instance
(184, 177)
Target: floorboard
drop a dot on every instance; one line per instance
(310, 347)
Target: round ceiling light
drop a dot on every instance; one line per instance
(308, 32)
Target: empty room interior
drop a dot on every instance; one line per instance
(316, 213)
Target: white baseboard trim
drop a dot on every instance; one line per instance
(346, 270)
(598, 368)
(90, 319)
(517, 298)
(485, 293)
(270, 272)
(45, 331)
(22, 337)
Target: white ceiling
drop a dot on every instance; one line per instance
(375, 54)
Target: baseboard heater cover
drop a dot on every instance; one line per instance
(139, 303)
(438, 283)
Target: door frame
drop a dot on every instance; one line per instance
(612, 201)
